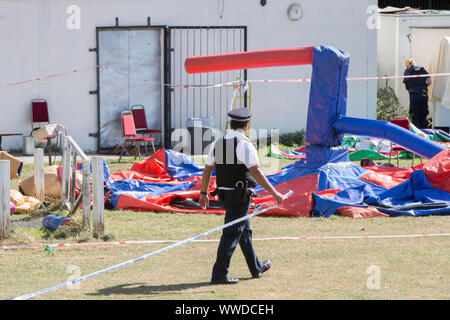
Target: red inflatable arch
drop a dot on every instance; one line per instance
(250, 59)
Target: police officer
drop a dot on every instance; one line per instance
(237, 171)
(418, 93)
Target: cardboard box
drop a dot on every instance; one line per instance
(45, 132)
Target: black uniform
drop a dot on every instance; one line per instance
(234, 182)
(418, 96)
(236, 202)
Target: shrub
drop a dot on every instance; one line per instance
(293, 139)
(388, 105)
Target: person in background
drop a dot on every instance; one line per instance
(418, 93)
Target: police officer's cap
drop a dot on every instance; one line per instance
(240, 114)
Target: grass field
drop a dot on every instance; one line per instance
(358, 268)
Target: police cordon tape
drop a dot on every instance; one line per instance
(300, 80)
(258, 210)
(206, 86)
(112, 243)
(50, 76)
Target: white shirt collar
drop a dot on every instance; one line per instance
(236, 133)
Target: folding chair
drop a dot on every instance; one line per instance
(40, 116)
(140, 122)
(129, 134)
(404, 123)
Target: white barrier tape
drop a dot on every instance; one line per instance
(186, 86)
(225, 84)
(403, 77)
(301, 80)
(359, 237)
(54, 75)
(258, 210)
(86, 244)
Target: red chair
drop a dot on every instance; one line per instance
(405, 124)
(140, 122)
(40, 116)
(129, 134)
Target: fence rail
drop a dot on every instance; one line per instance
(69, 199)
(68, 186)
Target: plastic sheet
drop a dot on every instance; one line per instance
(327, 96)
(389, 131)
(319, 155)
(320, 190)
(251, 59)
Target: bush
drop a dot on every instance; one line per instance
(293, 139)
(388, 105)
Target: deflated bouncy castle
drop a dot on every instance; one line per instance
(325, 182)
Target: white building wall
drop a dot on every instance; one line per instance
(395, 38)
(387, 49)
(36, 42)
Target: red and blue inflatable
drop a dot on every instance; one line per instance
(326, 182)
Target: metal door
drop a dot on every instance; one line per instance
(131, 61)
(186, 41)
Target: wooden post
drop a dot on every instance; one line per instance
(4, 199)
(73, 180)
(86, 193)
(39, 182)
(98, 197)
(65, 173)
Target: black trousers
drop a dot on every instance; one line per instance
(239, 233)
(418, 109)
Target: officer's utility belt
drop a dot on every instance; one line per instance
(240, 192)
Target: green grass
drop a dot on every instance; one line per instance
(410, 268)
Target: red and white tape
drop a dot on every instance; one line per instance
(201, 86)
(300, 80)
(49, 76)
(91, 244)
